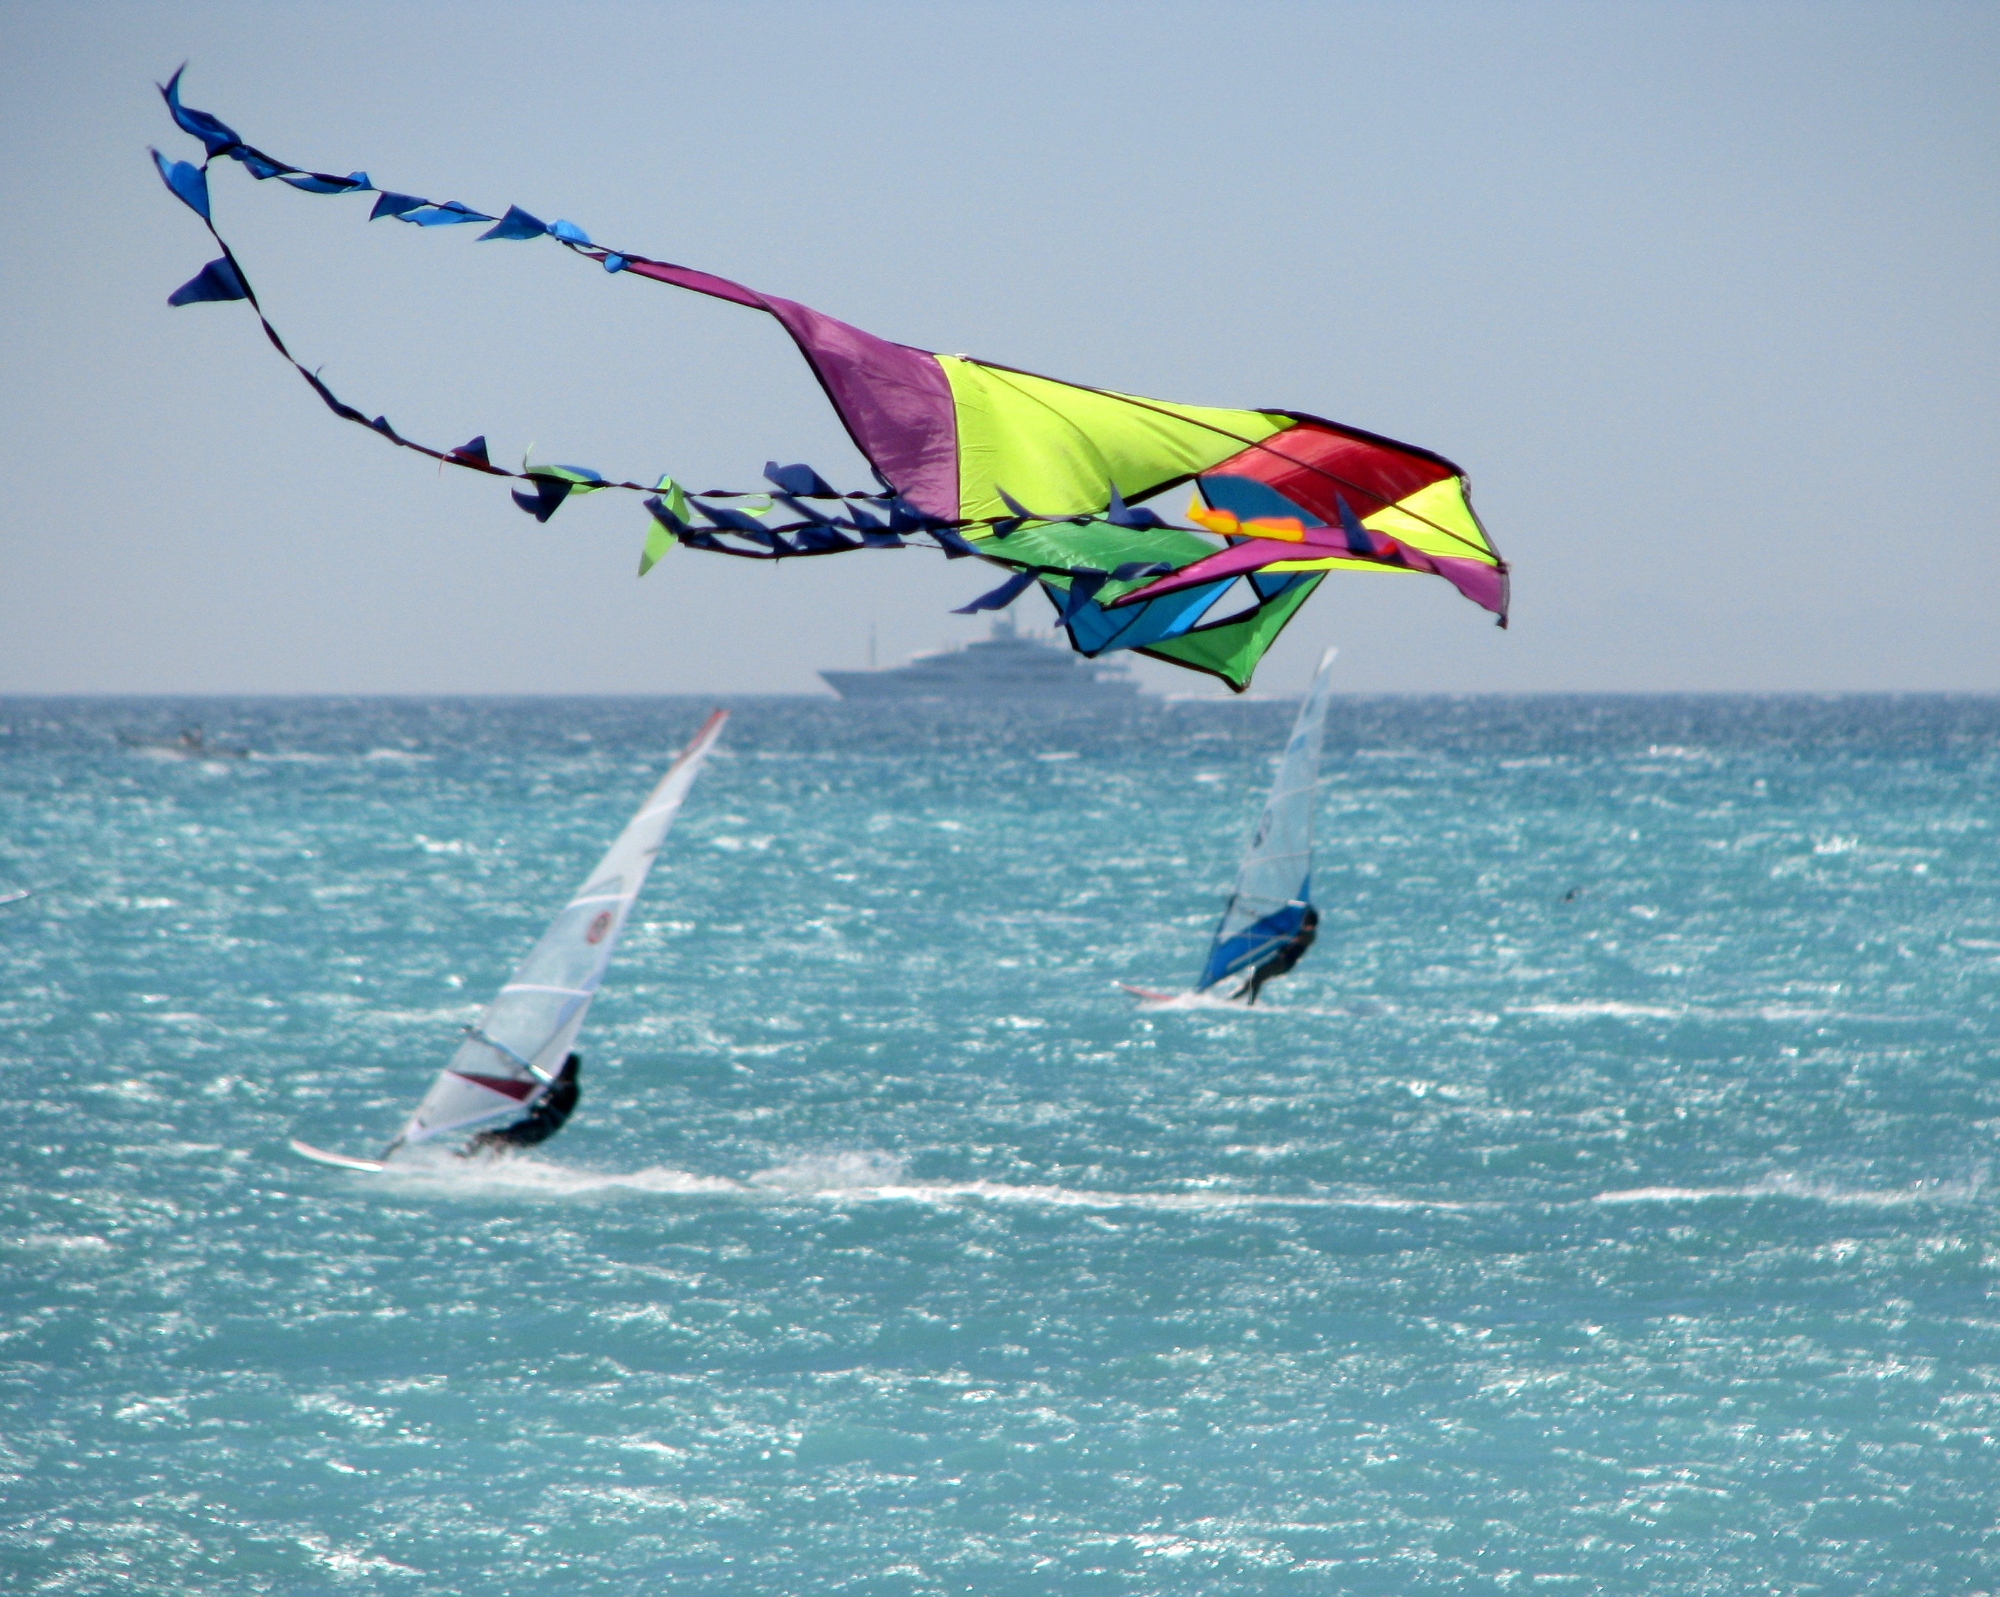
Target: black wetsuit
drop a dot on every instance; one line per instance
(1289, 953)
(541, 1122)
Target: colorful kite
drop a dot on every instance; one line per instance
(1040, 477)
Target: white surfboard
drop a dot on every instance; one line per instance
(339, 1161)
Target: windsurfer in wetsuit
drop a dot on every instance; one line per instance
(1288, 953)
(542, 1121)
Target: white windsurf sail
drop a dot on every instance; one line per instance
(512, 1056)
(1274, 883)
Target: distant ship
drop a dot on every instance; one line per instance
(190, 745)
(1006, 668)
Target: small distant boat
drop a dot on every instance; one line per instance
(1273, 896)
(1008, 667)
(515, 1057)
(190, 744)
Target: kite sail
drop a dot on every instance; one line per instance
(1274, 883)
(1041, 477)
(511, 1058)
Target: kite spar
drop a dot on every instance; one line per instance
(1040, 477)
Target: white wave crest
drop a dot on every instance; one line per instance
(864, 1176)
(1601, 1007)
(523, 1175)
(879, 1178)
(865, 1171)
(1802, 1190)
(1209, 1003)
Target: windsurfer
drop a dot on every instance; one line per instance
(542, 1121)
(1289, 953)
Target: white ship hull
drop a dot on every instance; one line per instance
(1003, 669)
(894, 685)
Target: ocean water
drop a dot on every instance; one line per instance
(1636, 1238)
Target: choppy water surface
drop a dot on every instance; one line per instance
(1631, 1241)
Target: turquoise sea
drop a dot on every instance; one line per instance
(1631, 1240)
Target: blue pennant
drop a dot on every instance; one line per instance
(905, 517)
(766, 537)
(667, 519)
(397, 205)
(449, 214)
(517, 223)
(320, 183)
(188, 182)
(954, 547)
(547, 498)
(820, 538)
(1123, 515)
(1084, 581)
(215, 136)
(475, 451)
(218, 280)
(741, 525)
(1021, 512)
(1359, 540)
(569, 232)
(261, 166)
(1083, 585)
(869, 525)
(733, 520)
(800, 480)
(799, 507)
(1000, 597)
(700, 537)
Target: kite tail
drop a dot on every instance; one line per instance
(732, 530)
(549, 486)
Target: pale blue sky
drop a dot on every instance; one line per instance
(1703, 297)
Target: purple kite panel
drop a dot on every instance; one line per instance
(895, 400)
